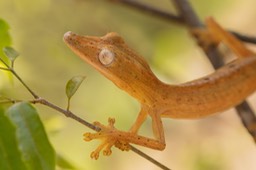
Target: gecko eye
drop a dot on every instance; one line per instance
(106, 57)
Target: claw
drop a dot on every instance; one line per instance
(111, 122)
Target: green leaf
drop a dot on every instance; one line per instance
(10, 156)
(11, 53)
(35, 147)
(73, 84)
(5, 38)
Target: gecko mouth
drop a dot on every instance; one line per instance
(74, 40)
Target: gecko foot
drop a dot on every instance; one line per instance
(110, 136)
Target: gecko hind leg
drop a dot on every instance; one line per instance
(204, 38)
(228, 39)
(214, 34)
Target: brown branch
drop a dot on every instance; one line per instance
(245, 38)
(187, 14)
(172, 17)
(150, 10)
(191, 20)
(244, 111)
(248, 118)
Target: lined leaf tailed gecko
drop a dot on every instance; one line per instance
(221, 90)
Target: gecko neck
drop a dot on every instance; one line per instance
(148, 90)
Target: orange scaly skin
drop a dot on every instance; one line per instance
(111, 56)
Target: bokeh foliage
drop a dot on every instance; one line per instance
(46, 64)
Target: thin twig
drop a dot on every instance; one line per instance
(5, 69)
(6, 100)
(24, 84)
(7, 66)
(11, 69)
(244, 111)
(149, 158)
(66, 113)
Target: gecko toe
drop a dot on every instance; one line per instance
(107, 152)
(94, 155)
(87, 136)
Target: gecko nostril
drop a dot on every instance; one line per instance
(69, 36)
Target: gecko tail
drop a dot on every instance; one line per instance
(228, 39)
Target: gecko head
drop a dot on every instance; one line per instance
(111, 56)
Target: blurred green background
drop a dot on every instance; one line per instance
(37, 27)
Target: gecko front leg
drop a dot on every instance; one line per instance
(110, 136)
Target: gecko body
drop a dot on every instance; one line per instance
(223, 89)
